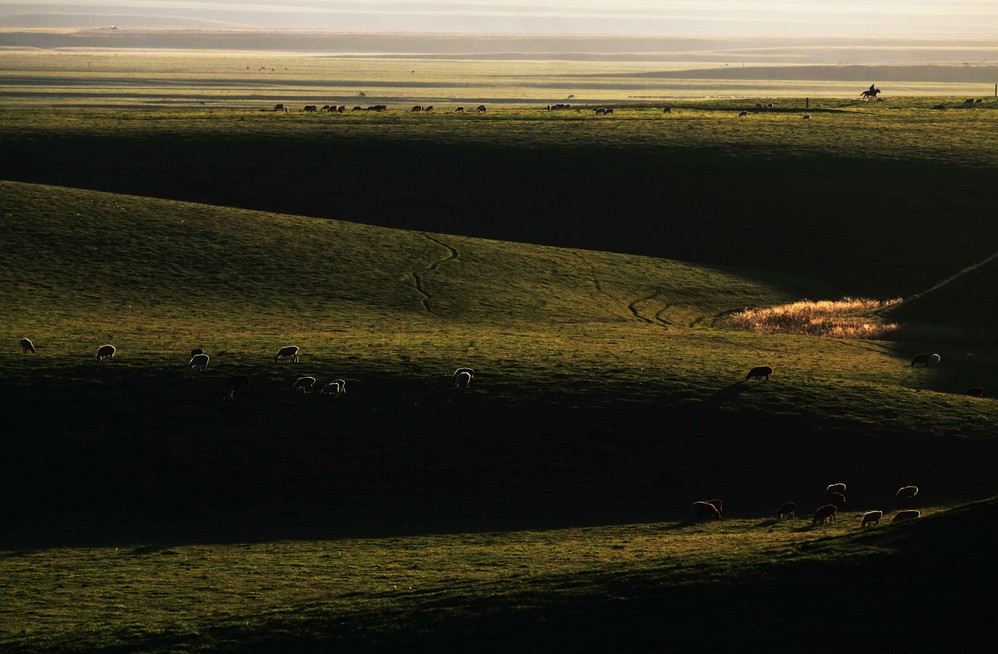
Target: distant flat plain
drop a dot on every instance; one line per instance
(232, 69)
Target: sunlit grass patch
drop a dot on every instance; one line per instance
(845, 318)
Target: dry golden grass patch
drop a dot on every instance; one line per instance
(845, 318)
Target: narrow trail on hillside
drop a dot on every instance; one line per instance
(417, 277)
(657, 318)
(597, 284)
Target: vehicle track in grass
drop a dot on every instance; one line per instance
(656, 318)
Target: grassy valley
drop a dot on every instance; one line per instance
(587, 268)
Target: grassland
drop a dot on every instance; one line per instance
(585, 268)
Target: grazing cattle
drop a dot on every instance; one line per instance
(459, 110)
(237, 383)
(481, 109)
(835, 488)
(27, 345)
(759, 372)
(198, 362)
(872, 518)
(417, 107)
(970, 102)
(600, 110)
(287, 352)
(340, 109)
(838, 499)
(429, 108)
(742, 114)
(934, 359)
(463, 377)
(278, 107)
(825, 513)
(907, 514)
(667, 110)
(906, 493)
(310, 108)
(973, 391)
(105, 352)
(303, 384)
(705, 511)
(786, 510)
(806, 116)
(357, 108)
(920, 360)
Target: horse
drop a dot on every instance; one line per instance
(870, 94)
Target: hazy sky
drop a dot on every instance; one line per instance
(662, 17)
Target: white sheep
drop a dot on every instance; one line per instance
(872, 518)
(462, 377)
(27, 345)
(304, 384)
(105, 352)
(835, 488)
(288, 352)
(198, 362)
(908, 514)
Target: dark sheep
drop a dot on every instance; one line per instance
(838, 499)
(786, 510)
(481, 109)
(906, 493)
(872, 518)
(237, 383)
(706, 511)
(907, 514)
(825, 513)
(759, 371)
(105, 352)
(27, 345)
(920, 360)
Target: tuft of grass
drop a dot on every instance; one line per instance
(845, 318)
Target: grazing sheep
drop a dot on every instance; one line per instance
(198, 362)
(196, 351)
(481, 109)
(759, 371)
(906, 493)
(920, 359)
(336, 388)
(835, 488)
(303, 384)
(825, 513)
(718, 504)
(237, 383)
(786, 510)
(706, 511)
(462, 377)
(907, 514)
(27, 345)
(872, 518)
(287, 352)
(975, 391)
(105, 352)
(934, 360)
(838, 499)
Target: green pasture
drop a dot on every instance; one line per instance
(584, 266)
